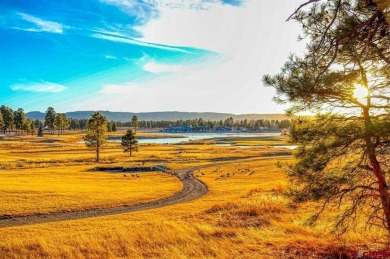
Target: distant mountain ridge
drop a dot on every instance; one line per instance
(162, 116)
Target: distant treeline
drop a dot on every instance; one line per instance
(17, 122)
(161, 116)
(227, 123)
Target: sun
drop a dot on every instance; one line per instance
(360, 92)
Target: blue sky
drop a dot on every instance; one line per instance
(143, 55)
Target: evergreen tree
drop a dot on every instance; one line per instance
(134, 123)
(96, 133)
(61, 122)
(343, 76)
(114, 129)
(2, 123)
(19, 119)
(40, 131)
(50, 119)
(32, 127)
(37, 123)
(129, 142)
(26, 127)
(8, 118)
(74, 124)
(83, 124)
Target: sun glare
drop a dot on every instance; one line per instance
(360, 92)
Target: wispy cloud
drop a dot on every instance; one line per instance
(135, 42)
(121, 3)
(195, 4)
(145, 10)
(110, 57)
(38, 87)
(158, 68)
(41, 25)
(142, 10)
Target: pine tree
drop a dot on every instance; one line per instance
(114, 129)
(96, 133)
(40, 131)
(8, 117)
(61, 122)
(50, 119)
(129, 142)
(134, 123)
(19, 120)
(344, 77)
(2, 123)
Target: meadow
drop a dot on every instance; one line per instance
(245, 214)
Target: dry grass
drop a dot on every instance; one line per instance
(245, 214)
(258, 141)
(42, 190)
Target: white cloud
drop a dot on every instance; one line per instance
(222, 28)
(158, 68)
(254, 39)
(39, 87)
(128, 4)
(110, 57)
(42, 25)
(142, 11)
(134, 42)
(187, 4)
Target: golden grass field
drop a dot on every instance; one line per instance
(245, 214)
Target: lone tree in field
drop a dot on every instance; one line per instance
(96, 133)
(134, 123)
(50, 119)
(344, 76)
(129, 142)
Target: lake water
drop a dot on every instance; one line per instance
(197, 136)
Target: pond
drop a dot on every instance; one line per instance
(197, 136)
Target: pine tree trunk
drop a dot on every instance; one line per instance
(382, 184)
(97, 154)
(382, 188)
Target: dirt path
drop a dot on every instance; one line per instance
(192, 189)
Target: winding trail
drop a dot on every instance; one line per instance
(192, 189)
